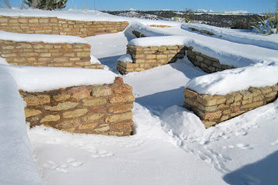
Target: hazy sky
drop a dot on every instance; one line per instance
(252, 6)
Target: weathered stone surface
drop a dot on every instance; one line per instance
(122, 89)
(122, 98)
(34, 100)
(94, 102)
(120, 108)
(102, 128)
(101, 91)
(61, 97)
(90, 126)
(62, 106)
(92, 117)
(75, 113)
(50, 118)
(216, 108)
(31, 112)
(71, 123)
(119, 117)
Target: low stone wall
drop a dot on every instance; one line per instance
(47, 54)
(149, 57)
(92, 109)
(213, 109)
(206, 63)
(58, 26)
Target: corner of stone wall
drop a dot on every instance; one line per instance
(213, 109)
(93, 109)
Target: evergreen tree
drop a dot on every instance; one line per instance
(47, 4)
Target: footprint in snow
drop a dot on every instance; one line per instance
(102, 153)
(274, 143)
(73, 162)
(244, 146)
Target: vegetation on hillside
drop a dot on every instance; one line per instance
(268, 24)
(47, 4)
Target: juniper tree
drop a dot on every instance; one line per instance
(46, 4)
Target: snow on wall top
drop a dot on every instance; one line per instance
(37, 79)
(229, 53)
(224, 82)
(237, 36)
(22, 37)
(79, 15)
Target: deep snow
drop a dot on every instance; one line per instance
(170, 145)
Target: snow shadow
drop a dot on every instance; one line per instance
(263, 172)
(110, 62)
(158, 102)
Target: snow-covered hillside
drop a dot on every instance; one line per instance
(170, 145)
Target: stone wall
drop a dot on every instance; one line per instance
(213, 109)
(206, 63)
(47, 54)
(57, 26)
(149, 57)
(92, 109)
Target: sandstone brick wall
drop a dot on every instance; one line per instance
(213, 109)
(206, 63)
(58, 26)
(93, 109)
(47, 54)
(149, 57)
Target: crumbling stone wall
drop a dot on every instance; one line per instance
(149, 57)
(206, 63)
(213, 109)
(58, 26)
(92, 109)
(47, 54)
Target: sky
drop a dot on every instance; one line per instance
(252, 6)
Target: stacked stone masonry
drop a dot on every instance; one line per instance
(213, 109)
(58, 26)
(149, 57)
(93, 109)
(206, 63)
(47, 54)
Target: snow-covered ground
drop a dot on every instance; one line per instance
(170, 144)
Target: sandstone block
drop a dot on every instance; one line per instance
(79, 92)
(120, 108)
(102, 128)
(87, 126)
(83, 54)
(61, 97)
(35, 100)
(75, 113)
(31, 112)
(92, 117)
(212, 115)
(122, 98)
(62, 106)
(252, 105)
(122, 89)
(96, 102)
(190, 93)
(50, 118)
(119, 117)
(161, 56)
(101, 91)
